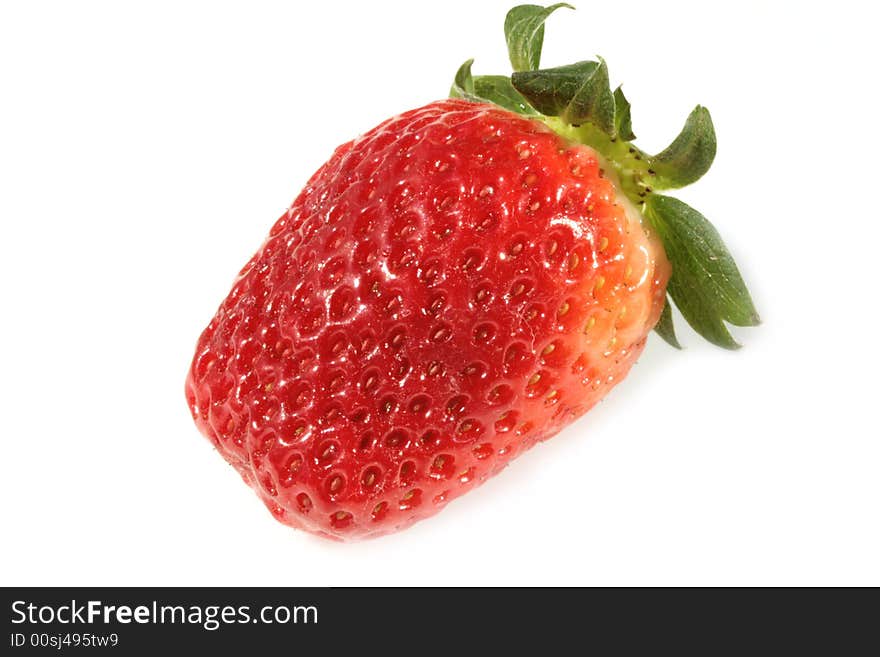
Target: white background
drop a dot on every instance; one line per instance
(145, 150)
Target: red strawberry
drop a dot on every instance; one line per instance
(448, 289)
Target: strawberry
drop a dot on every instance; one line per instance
(452, 287)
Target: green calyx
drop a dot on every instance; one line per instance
(576, 101)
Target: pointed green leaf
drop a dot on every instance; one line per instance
(665, 328)
(576, 93)
(550, 90)
(690, 155)
(622, 116)
(463, 85)
(498, 89)
(524, 31)
(705, 283)
(488, 89)
(593, 102)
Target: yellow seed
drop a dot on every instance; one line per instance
(599, 283)
(590, 324)
(549, 349)
(563, 308)
(535, 378)
(573, 261)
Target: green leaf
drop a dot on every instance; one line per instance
(705, 283)
(550, 90)
(463, 85)
(593, 102)
(576, 93)
(524, 31)
(690, 155)
(498, 89)
(665, 329)
(622, 116)
(489, 89)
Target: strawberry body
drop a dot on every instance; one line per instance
(448, 289)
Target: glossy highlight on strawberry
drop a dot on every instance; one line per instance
(452, 287)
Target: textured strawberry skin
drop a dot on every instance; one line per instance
(448, 289)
